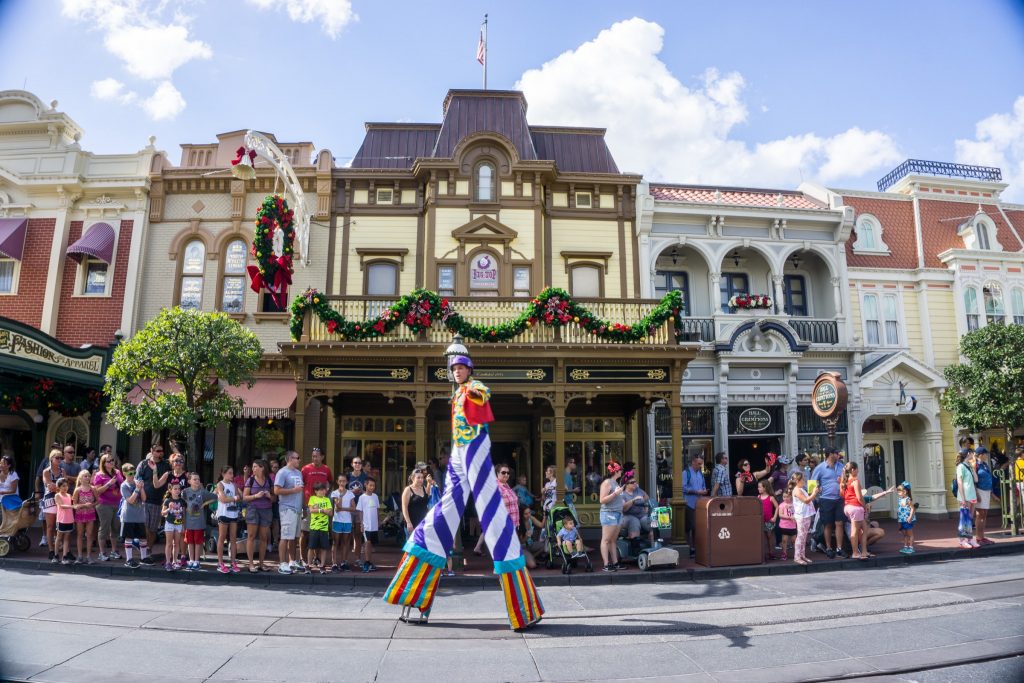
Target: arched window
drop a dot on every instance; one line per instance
(971, 308)
(232, 298)
(192, 268)
(485, 183)
(981, 230)
(994, 310)
(382, 279)
(869, 235)
(1017, 306)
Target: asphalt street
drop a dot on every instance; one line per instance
(945, 621)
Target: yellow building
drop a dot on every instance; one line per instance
(487, 210)
(936, 253)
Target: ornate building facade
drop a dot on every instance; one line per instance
(72, 229)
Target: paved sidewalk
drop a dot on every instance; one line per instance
(770, 628)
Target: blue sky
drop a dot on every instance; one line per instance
(764, 93)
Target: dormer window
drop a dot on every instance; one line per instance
(485, 183)
(980, 234)
(869, 236)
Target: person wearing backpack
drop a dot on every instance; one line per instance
(965, 490)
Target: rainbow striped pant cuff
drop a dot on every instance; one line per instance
(415, 582)
(521, 599)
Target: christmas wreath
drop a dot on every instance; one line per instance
(272, 247)
(419, 310)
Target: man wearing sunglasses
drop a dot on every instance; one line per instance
(153, 472)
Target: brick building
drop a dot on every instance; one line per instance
(72, 224)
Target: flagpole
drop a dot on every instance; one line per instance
(485, 52)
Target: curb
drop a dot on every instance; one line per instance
(486, 582)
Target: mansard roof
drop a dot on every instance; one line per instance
(734, 196)
(468, 112)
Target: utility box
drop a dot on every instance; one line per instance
(729, 531)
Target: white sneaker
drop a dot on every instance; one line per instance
(284, 569)
(101, 557)
(42, 541)
(114, 556)
(974, 543)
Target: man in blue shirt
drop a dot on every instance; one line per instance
(693, 486)
(830, 509)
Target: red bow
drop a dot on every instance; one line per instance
(241, 152)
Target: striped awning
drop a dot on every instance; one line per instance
(12, 237)
(267, 398)
(97, 242)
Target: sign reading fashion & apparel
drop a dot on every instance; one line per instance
(15, 344)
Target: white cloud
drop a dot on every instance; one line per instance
(149, 46)
(165, 103)
(999, 141)
(154, 52)
(111, 89)
(333, 15)
(668, 131)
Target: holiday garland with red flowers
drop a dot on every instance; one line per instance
(273, 272)
(421, 308)
(44, 395)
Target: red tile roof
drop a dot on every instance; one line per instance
(897, 219)
(940, 221)
(734, 196)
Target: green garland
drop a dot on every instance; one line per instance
(421, 308)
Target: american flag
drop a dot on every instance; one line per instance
(481, 48)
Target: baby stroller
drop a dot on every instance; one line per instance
(15, 524)
(554, 524)
(393, 524)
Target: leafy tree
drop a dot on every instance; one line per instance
(985, 392)
(202, 352)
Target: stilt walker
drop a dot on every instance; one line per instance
(469, 470)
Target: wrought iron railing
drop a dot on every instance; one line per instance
(696, 329)
(942, 168)
(816, 331)
(494, 311)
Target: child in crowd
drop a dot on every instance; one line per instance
(84, 502)
(906, 515)
(319, 542)
(196, 499)
(525, 497)
(569, 539)
(173, 512)
(65, 521)
(133, 517)
(341, 526)
(787, 523)
(769, 515)
(228, 497)
(550, 488)
(368, 507)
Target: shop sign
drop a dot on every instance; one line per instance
(335, 373)
(828, 398)
(483, 272)
(17, 345)
(532, 375)
(635, 375)
(755, 419)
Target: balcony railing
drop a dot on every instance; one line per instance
(939, 168)
(815, 331)
(494, 311)
(697, 329)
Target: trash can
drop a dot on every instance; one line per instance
(728, 531)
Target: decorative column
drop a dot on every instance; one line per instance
(837, 296)
(714, 285)
(420, 406)
(678, 504)
(779, 295)
(300, 418)
(559, 405)
(792, 424)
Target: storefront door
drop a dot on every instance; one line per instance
(884, 466)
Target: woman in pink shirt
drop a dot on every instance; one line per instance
(106, 484)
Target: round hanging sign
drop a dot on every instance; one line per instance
(755, 419)
(828, 398)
